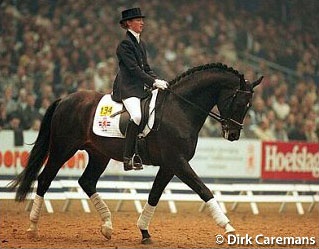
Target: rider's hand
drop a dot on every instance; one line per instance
(161, 84)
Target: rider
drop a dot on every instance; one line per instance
(133, 78)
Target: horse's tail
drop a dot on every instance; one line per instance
(25, 180)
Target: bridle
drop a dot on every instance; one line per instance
(234, 122)
(223, 120)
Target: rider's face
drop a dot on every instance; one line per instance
(136, 24)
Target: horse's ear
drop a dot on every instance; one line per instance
(257, 82)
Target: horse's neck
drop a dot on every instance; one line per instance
(201, 91)
(201, 95)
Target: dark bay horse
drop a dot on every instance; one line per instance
(67, 127)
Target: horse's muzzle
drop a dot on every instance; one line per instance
(231, 135)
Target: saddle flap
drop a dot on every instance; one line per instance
(110, 120)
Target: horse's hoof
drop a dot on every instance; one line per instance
(229, 229)
(107, 232)
(32, 234)
(146, 241)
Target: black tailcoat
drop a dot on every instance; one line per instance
(134, 70)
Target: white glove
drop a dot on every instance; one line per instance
(161, 84)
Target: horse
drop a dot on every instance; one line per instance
(67, 127)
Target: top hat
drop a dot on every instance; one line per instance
(130, 14)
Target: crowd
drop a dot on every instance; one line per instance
(49, 49)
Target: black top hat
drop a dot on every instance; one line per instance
(130, 14)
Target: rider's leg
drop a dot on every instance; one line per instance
(133, 106)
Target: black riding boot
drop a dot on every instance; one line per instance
(130, 141)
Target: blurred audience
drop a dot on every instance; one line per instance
(263, 131)
(49, 49)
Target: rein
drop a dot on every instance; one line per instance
(211, 114)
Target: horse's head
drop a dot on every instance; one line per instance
(233, 105)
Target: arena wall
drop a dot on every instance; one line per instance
(214, 157)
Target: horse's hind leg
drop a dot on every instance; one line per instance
(88, 180)
(55, 161)
(163, 177)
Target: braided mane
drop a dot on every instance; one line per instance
(220, 66)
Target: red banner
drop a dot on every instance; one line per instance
(293, 161)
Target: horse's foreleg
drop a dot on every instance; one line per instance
(34, 216)
(219, 216)
(188, 176)
(163, 177)
(144, 221)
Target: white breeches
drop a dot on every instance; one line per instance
(133, 106)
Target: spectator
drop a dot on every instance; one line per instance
(279, 130)
(294, 104)
(36, 123)
(298, 132)
(259, 112)
(11, 104)
(263, 131)
(101, 79)
(310, 131)
(3, 114)
(247, 131)
(69, 83)
(5, 79)
(45, 92)
(290, 122)
(15, 125)
(45, 103)
(280, 107)
(29, 112)
(22, 99)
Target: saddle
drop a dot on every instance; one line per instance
(125, 117)
(141, 149)
(111, 119)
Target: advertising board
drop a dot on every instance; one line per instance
(214, 157)
(290, 161)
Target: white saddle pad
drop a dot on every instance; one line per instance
(107, 126)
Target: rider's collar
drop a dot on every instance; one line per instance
(136, 35)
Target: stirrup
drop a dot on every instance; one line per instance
(137, 162)
(134, 162)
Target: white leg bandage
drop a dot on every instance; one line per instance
(145, 217)
(217, 213)
(101, 207)
(36, 209)
(104, 213)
